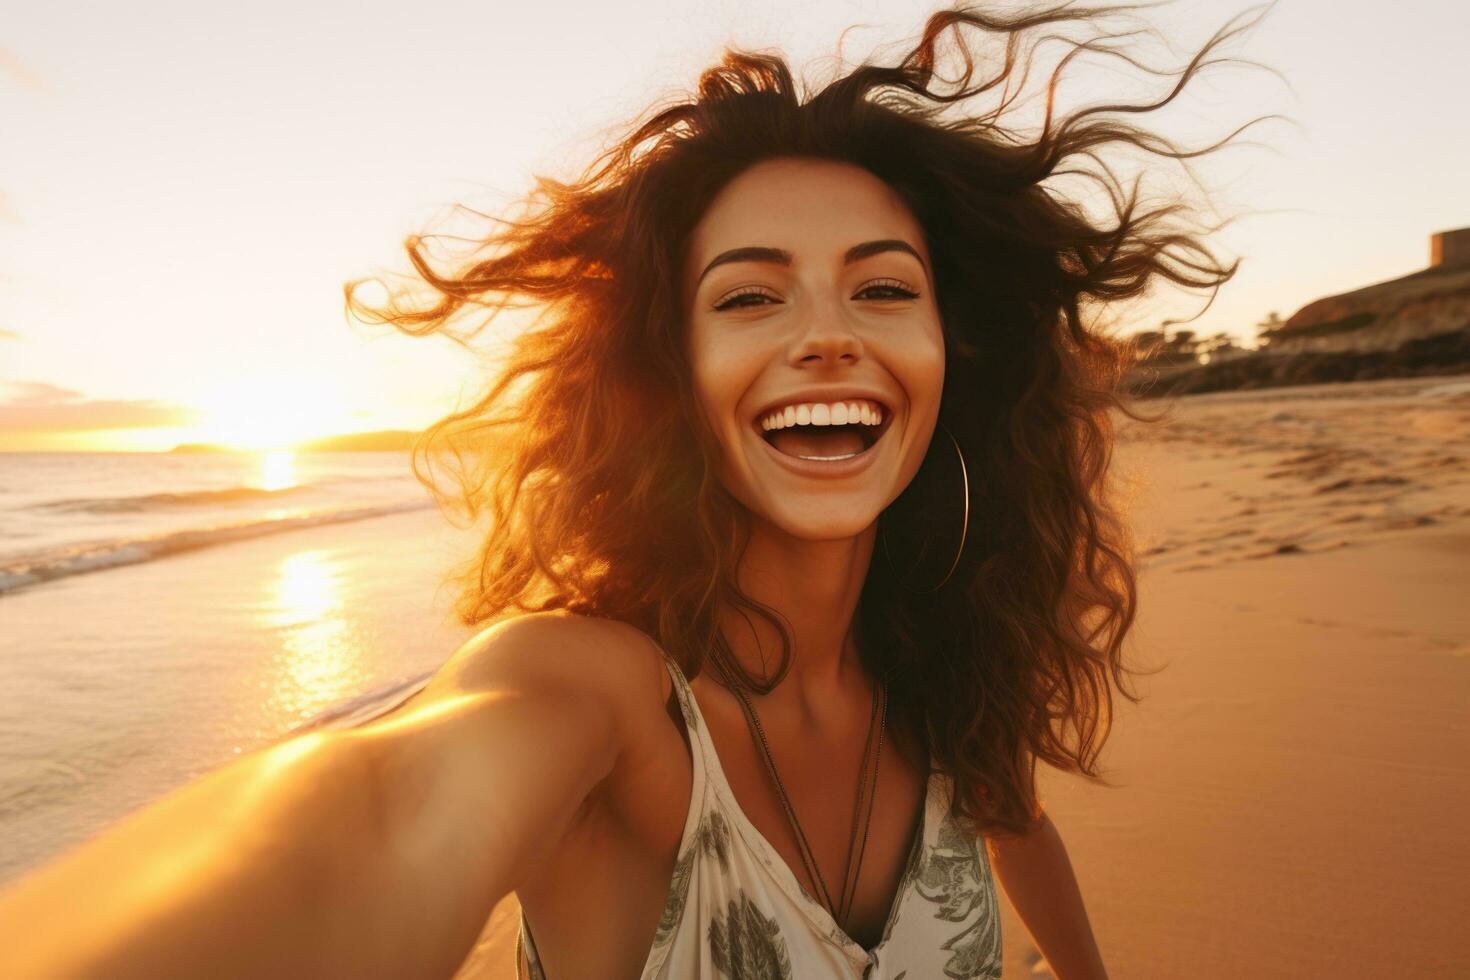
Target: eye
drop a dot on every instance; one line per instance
(730, 301)
(894, 288)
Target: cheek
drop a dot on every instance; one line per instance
(918, 365)
(721, 377)
(722, 371)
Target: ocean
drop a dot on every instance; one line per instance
(162, 613)
(69, 513)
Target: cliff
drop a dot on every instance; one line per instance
(1387, 315)
(1381, 317)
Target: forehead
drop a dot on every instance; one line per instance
(812, 208)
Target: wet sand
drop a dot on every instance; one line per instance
(126, 682)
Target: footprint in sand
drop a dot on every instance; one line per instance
(1355, 482)
(1404, 523)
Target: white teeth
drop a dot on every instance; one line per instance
(831, 413)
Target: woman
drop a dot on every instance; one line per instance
(813, 377)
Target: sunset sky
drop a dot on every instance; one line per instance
(185, 187)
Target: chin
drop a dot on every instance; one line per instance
(819, 525)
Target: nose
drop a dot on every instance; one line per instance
(826, 337)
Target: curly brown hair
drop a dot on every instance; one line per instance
(591, 459)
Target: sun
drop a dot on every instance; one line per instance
(253, 434)
(271, 412)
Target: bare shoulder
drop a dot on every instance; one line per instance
(613, 664)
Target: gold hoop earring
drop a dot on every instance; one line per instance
(964, 526)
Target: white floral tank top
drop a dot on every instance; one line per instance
(735, 910)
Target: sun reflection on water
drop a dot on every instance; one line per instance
(322, 657)
(277, 469)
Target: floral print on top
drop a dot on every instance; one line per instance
(735, 910)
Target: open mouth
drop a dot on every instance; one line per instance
(823, 443)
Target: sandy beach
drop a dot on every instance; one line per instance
(1290, 787)
(1291, 784)
(1288, 791)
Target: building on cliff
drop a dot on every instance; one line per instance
(1384, 316)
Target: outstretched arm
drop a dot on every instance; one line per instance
(377, 851)
(1038, 879)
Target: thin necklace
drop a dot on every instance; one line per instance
(866, 793)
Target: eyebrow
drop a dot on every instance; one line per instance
(762, 253)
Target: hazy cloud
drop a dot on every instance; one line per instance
(36, 406)
(8, 334)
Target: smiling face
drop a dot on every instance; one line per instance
(815, 342)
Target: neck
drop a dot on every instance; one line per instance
(816, 586)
